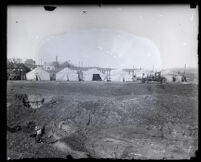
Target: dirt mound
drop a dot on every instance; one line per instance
(62, 129)
(35, 101)
(161, 120)
(69, 138)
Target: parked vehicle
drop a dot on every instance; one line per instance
(154, 78)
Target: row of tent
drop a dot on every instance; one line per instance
(68, 74)
(73, 75)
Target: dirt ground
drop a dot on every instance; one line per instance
(112, 120)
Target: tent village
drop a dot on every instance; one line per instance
(95, 74)
(67, 71)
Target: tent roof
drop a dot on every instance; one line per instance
(38, 70)
(92, 71)
(44, 75)
(118, 72)
(67, 70)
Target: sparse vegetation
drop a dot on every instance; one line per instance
(152, 120)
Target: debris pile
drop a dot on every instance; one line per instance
(62, 129)
(35, 101)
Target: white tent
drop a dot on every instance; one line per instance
(128, 76)
(38, 74)
(118, 75)
(67, 75)
(139, 73)
(178, 78)
(169, 77)
(88, 75)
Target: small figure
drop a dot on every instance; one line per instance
(183, 79)
(174, 79)
(143, 78)
(38, 134)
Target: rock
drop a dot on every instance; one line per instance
(69, 157)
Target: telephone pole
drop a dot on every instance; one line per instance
(41, 61)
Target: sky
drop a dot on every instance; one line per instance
(109, 36)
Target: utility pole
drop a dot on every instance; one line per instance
(133, 73)
(108, 74)
(184, 68)
(41, 61)
(56, 62)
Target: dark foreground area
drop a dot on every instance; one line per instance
(103, 120)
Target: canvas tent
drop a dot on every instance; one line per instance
(93, 75)
(67, 75)
(169, 77)
(38, 74)
(128, 76)
(139, 73)
(178, 78)
(118, 75)
(168, 74)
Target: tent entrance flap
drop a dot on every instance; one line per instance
(36, 77)
(96, 77)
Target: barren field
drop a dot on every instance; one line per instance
(104, 120)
